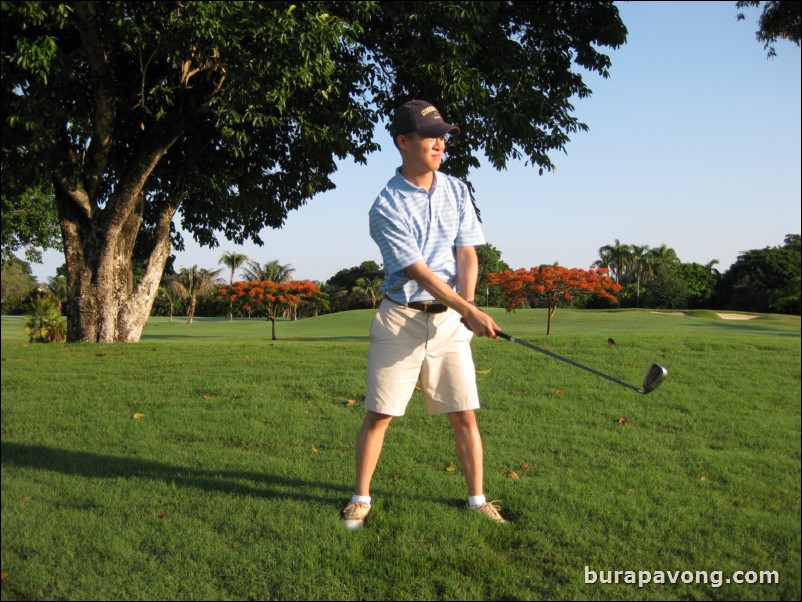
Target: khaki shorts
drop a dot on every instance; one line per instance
(407, 345)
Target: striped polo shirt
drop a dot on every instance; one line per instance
(409, 224)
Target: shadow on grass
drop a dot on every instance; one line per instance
(91, 465)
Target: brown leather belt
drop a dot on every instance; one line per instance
(427, 307)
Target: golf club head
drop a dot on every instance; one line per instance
(654, 378)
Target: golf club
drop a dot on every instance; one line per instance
(653, 379)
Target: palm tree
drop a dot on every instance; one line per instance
(369, 289)
(272, 271)
(233, 261)
(170, 295)
(192, 281)
(663, 256)
(57, 285)
(615, 257)
(709, 267)
(641, 267)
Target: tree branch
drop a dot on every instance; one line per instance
(103, 123)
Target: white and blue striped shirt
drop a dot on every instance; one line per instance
(411, 225)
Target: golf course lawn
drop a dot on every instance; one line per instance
(210, 462)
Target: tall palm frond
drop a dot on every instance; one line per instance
(232, 261)
(272, 271)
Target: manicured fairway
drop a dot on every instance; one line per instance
(209, 462)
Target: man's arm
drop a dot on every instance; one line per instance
(467, 272)
(478, 321)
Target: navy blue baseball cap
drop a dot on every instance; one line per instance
(422, 118)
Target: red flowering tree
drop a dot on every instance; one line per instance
(272, 299)
(549, 286)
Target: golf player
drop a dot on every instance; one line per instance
(426, 228)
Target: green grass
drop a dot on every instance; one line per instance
(230, 486)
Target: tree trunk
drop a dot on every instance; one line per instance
(551, 310)
(103, 304)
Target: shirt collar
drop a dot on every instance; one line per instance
(405, 188)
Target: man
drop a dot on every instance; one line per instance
(426, 228)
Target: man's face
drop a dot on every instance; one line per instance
(422, 154)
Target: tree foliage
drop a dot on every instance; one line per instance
(231, 114)
(271, 299)
(29, 223)
(667, 288)
(17, 284)
(700, 283)
(356, 287)
(489, 262)
(780, 20)
(551, 286)
(764, 280)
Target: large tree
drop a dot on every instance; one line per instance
(231, 114)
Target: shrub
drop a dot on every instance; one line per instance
(45, 324)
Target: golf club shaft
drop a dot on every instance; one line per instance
(504, 335)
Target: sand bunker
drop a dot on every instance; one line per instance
(722, 316)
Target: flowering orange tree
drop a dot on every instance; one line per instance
(272, 299)
(549, 286)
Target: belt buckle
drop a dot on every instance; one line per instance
(425, 305)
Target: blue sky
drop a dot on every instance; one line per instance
(694, 142)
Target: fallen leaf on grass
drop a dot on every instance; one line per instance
(350, 402)
(524, 466)
(3, 576)
(610, 341)
(452, 467)
(137, 415)
(624, 420)
(488, 371)
(207, 397)
(703, 478)
(512, 474)
(736, 504)
(314, 448)
(559, 392)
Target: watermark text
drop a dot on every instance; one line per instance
(658, 577)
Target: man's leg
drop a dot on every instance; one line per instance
(468, 442)
(470, 453)
(369, 448)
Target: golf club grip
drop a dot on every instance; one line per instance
(504, 335)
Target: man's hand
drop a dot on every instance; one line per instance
(480, 323)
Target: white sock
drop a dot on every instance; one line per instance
(362, 499)
(474, 501)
